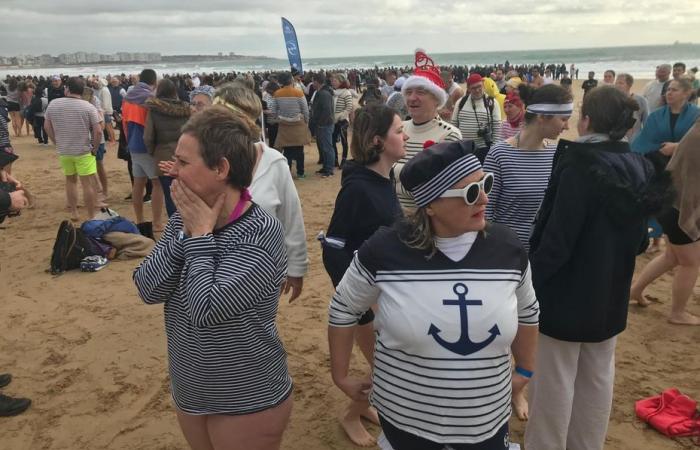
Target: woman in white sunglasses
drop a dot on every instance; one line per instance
(455, 302)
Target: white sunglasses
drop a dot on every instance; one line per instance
(470, 193)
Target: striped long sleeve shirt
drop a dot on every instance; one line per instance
(442, 366)
(343, 104)
(221, 293)
(520, 179)
(475, 116)
(290, 104)
(437, 130)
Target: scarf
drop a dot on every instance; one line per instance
(139, 93)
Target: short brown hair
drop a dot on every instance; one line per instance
(610, 111)
(221, 133)
(370, 121)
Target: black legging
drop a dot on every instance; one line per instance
(402, 440)
(340, 131)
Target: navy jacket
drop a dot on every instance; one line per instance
(588, 232)
(366, 202)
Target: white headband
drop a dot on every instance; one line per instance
(551, 109)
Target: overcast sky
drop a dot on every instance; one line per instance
(333, 29)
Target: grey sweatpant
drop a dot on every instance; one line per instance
(570, 395)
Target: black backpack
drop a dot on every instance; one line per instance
(70, 248)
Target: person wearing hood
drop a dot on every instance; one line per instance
(166, 116)
(366, 201)
(134, 114)
(588, 232)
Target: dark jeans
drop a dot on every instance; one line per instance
(272, 133)
(295, 153)
(340, 132)
(39, 132)
(324, 141)
(401, 440)
(166, 181)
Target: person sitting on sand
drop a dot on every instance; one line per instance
(589, 229)
(681, 224)
(454, 304)
(219, 269)
(366, 201)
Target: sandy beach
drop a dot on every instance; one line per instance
(92, 356)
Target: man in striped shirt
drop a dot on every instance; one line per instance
(74, 126)
(425, 94)
(478, 117)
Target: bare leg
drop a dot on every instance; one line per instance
(16, 125)
(89, 194)
(352, 420)
(72, 196)
(157, 202)
(683, 282)
(258, 431)
(102, 175)
(137, 191)
(656, 267)
(195, 430)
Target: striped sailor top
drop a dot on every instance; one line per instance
(442, 364)
(520, 179)
(221, 293)
(436, 130)
(476, 115)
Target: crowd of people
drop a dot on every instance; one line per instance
(473, 252)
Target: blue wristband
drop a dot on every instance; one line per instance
(522, 372)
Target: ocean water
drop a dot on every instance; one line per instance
(639, 61)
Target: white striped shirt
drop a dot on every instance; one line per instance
(471, 118)
(440, 372)
(343, 104)
(436, 130)
(221, 293)
(72, 120)
(521, 177)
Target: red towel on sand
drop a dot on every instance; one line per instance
(671, 413)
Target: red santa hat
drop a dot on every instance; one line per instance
(426, 75)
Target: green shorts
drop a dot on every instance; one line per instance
(83, 165)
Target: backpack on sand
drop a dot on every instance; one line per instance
(70, 247)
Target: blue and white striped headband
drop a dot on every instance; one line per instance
(551, 109)
(432, 189)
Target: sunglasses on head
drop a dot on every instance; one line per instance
(470, 193)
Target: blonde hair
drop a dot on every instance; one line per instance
(416, 231)
(240, 100)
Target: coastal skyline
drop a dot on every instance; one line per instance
(368, 27)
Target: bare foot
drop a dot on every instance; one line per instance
(520, 406)
(371, 414)
(639, 298)
(685, 318)
(357, 433)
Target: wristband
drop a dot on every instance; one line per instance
(522, 372)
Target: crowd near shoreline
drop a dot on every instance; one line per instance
(471, 249)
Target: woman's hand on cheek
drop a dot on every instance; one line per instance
(198, 218)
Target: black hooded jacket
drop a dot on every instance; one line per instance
(366, 202)
(588, 232)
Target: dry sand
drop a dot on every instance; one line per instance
(92, 357)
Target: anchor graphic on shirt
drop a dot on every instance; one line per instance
(464, 346)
